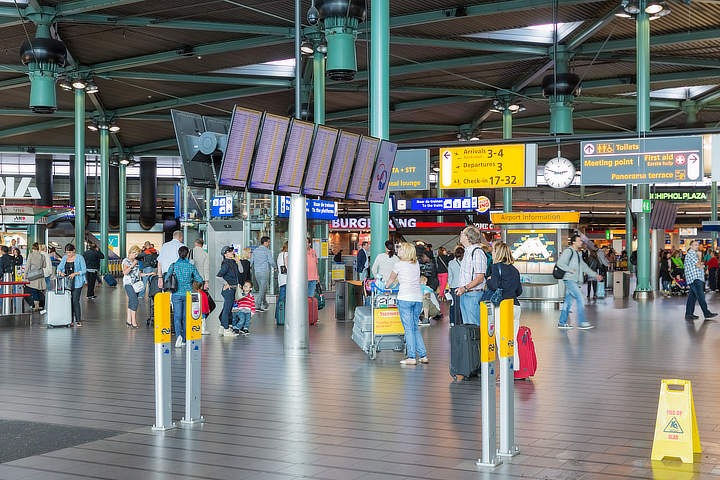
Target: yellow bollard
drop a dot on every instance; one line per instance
(489, 457)
(506, 352)
(676, 430)
(163, 377)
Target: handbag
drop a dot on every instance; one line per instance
(35, 273)
(172, 283)
(138, 286)
(497, 295)
(283, 267)
(558, 273)
(320, 296)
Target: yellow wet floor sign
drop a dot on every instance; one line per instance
(676, 431)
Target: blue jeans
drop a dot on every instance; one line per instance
(228, 300)
(280, 302)
(47, 284)
(241, 320)
(311, 287)
(178, 306)
(132, 298)
(470, 307)
(697, 292)
(572, 291)
(666, 285)
(409, 315)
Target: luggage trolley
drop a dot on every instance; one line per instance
(386, 331)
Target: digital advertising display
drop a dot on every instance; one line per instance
(269, 152)
(342, 165)
(240, 148)
(536, 246)
(381, 173)
(320, 160)
(364, 165)
(296, 156)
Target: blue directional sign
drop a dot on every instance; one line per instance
(316, 209)
(434, 204)
(221, 206)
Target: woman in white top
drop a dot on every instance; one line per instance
(384, 263)
(406, 272)
(282, 282)
(132, 282)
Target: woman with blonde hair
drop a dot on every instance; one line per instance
(505, 276)
(406, 272)
(133, 284)
(245, 264)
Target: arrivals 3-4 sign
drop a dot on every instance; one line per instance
(642, 160)
(488, 166)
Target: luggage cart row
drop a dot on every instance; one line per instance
(378, 327)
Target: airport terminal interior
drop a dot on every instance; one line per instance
(389, 209)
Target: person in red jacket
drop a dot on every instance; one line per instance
(712, 264)
(243, 309)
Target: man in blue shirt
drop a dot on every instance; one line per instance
(262, 261)
(695, 277)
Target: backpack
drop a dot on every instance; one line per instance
(526, 353)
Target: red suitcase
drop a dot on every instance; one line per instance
(526, 354)
(313, 310)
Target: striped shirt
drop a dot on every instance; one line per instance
(692, 272)
(474, 263)
(245, 304)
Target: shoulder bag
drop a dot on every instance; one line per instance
(172, 283)
(558, 272)
(497, 295)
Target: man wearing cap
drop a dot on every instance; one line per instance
(230, 274)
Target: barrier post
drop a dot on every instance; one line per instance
(487, 378)
(506, 352)
(163, 377)
(7, 290)
(193, 359)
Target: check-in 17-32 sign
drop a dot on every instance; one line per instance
(485, 166)
(642, 160)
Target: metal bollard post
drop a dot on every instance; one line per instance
(7, 290)
(506, 352)
(163, 377)
(487, 371)
(193, 359)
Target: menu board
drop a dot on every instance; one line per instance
(320, 159)
(362, 172)
(381, 174)
(342, 165)
(240, 147)
(296, 156)
(269, 152)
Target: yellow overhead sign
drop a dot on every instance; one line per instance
(535, 217)
(486, 166)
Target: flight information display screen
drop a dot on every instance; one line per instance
(342, 165)
(381, 174)
(269, 152)
(362, 172)
(296, 156)
(320, 160)
(240, 148)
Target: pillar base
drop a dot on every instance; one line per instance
(643, 295)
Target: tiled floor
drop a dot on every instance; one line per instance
(588, 414)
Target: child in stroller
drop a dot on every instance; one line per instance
(679, 286)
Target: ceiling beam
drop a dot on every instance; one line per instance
(167, 56)
(592, 29)
(537, 119)
(471, 45)
(82, 6)
(402, 106)
(207, 79)
(655, 41)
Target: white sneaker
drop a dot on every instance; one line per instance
(179, 342)
(585, 326)
(221, 331)
(565, 326)
(229, 333)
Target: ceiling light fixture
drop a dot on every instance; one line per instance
(114, 128)
(65, 84)
(91, 87)
(307, 47)
(79, 84)
(124, 161)
(654, 8)
(93, 127)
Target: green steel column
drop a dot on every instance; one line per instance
(122, 192)
(507, 133)
(713, 210)
(644, 255)
(104, 193)
(628, 219)
(186, 204)
(79, 199)
(208, 199)
(273, 245)
(319, 87)
(379, 110)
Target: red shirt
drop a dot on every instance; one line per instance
(246, 302)
(713, 262)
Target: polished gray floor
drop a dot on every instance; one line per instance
(588, 414)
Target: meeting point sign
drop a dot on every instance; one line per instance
(642, 160)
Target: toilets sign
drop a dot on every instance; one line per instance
(23, 190)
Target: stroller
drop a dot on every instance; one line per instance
(679, 286)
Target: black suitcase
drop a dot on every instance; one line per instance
(464, 350)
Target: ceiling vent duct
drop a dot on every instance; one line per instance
(561, 90)
(341, 19)
(44, 58)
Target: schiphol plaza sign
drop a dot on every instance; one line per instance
(23, 190)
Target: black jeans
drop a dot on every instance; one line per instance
(697, 292)
(228, 300)
(76, 312)
(91, 282)
(592, 285)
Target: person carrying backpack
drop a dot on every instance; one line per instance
(573, 268)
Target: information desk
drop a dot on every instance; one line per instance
(536, 248)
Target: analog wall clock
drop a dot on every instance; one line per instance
(559, 172)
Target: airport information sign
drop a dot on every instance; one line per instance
(642, 160)
(411, 170)
(486, 166)
(221, 206)
(316, 209)
(435, 204)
